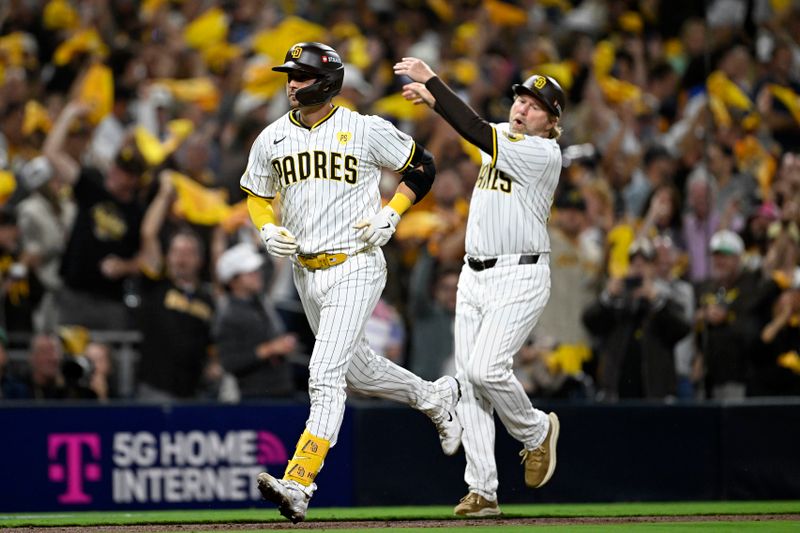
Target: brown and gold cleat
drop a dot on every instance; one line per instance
(473, 504)
(541, 462)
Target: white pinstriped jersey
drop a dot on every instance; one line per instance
(512, 198)
(327, 175)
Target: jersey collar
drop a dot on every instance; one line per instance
(294, 118)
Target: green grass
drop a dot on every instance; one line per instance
(268, 514)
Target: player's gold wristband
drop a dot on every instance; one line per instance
(400, 203)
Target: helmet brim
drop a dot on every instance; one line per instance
(520, 89)
(291, 66)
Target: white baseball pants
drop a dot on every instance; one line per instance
(337, 302)
(496, 310)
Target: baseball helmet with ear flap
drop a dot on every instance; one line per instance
(545, 89)
(319, 61)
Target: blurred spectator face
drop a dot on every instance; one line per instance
(720, 163)
(249, 282)
(194, 155)
(724, 267)
(529, 116)
(446, 290)
(699, 198)
(736, 63)
(666, 257)
(694, 37)
(80, 135)
(447, 188)
(640, 266)
(183, 257)
(100, 356)
(11, 122)
(570, 221)
(123, 185)
(9, 235)
(468, 171)
(665, 206)
(782, 61)
(45, 358)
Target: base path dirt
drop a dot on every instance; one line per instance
(385, 524)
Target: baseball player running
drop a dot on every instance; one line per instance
(325, 163)
(505, 281)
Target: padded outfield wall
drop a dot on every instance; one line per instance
(84, 457)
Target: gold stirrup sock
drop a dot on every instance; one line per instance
(307, 460)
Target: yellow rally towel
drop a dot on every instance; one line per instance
(97, 90)
(787, 97)
(8, 184)
(36, 118)
(619, 240)
(308, 457)
(275, 42)
(505, 14)
(198, 204)
(568, 358)
(87, 40)
(74, 339)
(790, 360)
(59, 15)
(209, 28)
(153, 150)
(398, 107)
(200, 91)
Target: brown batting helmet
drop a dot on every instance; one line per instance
(545, 89)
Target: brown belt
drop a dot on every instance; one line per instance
(325, 260)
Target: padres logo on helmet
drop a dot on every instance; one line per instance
(540, 82)
(297, 51)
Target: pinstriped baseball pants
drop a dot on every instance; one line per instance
(337, 302)
(496, 310)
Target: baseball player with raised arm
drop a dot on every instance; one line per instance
(324, 162)
(505, 281)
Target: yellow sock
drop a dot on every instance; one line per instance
(307, 460)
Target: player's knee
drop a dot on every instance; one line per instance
(483, 378)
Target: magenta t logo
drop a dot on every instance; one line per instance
(74, 470)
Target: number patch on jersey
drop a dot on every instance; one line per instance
(491, 179)
(317, 164)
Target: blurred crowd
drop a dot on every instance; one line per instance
(125, 126)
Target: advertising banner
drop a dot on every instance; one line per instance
(153, 457)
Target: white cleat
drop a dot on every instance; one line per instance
(291, 497)
(447, 423)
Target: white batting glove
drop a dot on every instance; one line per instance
(379, 228)
(279, 241)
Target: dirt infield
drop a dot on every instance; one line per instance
(385, 524)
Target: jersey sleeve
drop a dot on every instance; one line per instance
(256, 179)
(524, 157)
(388, 146)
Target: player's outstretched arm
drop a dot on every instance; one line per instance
(447, 103)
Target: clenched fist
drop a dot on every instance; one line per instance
(279, 241)
(379, 228)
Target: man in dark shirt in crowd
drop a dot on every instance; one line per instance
(104, 243)
(176, 310)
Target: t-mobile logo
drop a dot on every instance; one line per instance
(72, 468)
